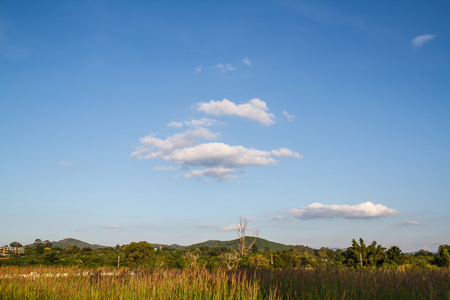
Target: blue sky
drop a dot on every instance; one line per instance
(165, 121)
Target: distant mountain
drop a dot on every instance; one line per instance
(69, 241)
(262, 244)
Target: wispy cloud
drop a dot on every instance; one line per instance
(224, 68)
(277, 217)
(198, 69)
(209, 226)
(81, 229)
(365, 210)
(66, 164)
(255, 110)
(408, 223)
(420, 40)
(229, 227)
(175, 124)
(112, 226)
(247, 61)
(224, 173)
(203, 122)
(288, 116)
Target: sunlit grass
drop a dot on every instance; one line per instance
(319, 283)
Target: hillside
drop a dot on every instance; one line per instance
(69, 241)
(261, 243)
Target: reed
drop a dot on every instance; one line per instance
(40, 282)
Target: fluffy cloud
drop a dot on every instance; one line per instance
(255, 110)
(283, 152)
(365, 210)
(421, 40)
(247, 61)
(195, 152)
(219, 160)
(152, 147)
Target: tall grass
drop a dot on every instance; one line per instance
(347, 283)
(125, 284)
(319, 283)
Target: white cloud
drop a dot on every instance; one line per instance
(202, 122)
(288, 116)
(408, 223)
(255, 110)
(112, 226)
(283, 152)
(229, 227)
(222, 155)
(365, 210)
(213, 172)
(211, 159)
(422, 39)
(175, 124)
(224, 68)
(198, 69)
(247, 61)
(152, 147)
(277, 217)
(219, 159)
(66, 164)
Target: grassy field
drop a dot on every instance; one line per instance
(319, 283)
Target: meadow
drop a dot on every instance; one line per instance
(40, 282)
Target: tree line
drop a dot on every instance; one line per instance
(245, 255)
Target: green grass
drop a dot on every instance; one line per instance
(319, 283)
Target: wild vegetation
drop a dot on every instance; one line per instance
(201, 283)
(239, 270)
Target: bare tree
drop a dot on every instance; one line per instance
(241, 232)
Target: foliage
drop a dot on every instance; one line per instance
(442, 258)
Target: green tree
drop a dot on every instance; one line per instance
(356, 254)
(38, 246)
(359, 255)
(394, 255)
(442, 258)
(375, 254)
(47, 244)
(136, 253)
(15, 244)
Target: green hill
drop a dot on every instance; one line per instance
(69, 241)
(261, 243)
